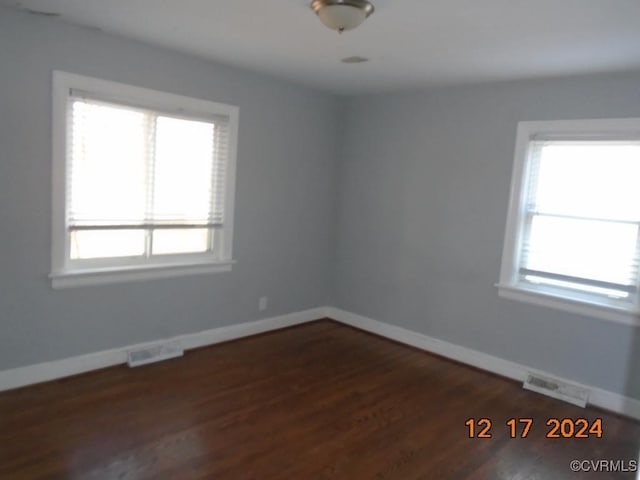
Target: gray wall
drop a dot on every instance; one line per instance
(418, 182)
(424, 185)
(284, 200)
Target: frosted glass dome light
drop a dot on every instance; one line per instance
(342, 15)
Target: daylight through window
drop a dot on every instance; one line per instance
(576, 231)
(144, 186)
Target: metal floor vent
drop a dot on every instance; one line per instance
(154, 353)
(557, 389)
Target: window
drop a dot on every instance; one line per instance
(573, 229)
(143, 183)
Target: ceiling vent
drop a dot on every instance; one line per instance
(355, 59)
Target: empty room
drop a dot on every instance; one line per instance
(328, 239)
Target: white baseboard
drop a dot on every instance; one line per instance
(42, 372)
(598, 397)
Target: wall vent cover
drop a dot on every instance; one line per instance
(154, 353)
(555, 388)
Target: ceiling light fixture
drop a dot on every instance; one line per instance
(355, 59)
(342, 15)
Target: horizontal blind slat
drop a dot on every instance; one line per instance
(580, 280)
(144, 226)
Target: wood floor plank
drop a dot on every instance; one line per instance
(318, 401)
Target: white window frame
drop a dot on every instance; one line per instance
(509, 285)
(66, 273)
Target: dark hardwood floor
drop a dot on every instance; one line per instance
(319, 401)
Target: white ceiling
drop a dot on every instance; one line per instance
(410, 43)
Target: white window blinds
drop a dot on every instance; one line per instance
(142, 182)
(582, 217)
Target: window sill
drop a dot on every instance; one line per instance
(103, 276)
(601, 311)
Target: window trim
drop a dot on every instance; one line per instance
(508, 285)
(63, 274)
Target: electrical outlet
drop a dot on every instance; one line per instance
(262, 303)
